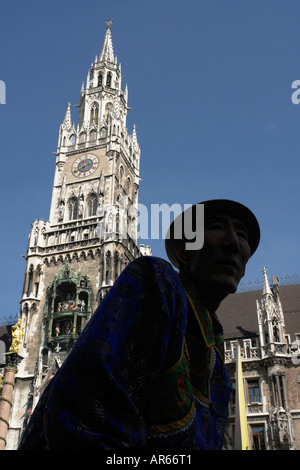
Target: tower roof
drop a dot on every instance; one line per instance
(67, 120)
(107, 52)
(266, 289)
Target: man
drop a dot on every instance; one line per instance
(148, 372)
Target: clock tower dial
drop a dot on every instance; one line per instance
(85, 165)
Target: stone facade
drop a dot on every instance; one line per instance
(266, 325)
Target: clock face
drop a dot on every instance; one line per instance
(85, 165)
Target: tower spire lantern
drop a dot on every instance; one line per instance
(107, 53)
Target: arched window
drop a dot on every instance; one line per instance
(108, 79)
(128, 184)
(92, 205)
(26, 317)
(72, 139)
(103, 132)
(30, 276)
(37, 283)
(121, 175)
(73, 208)
(108, 111)
(99, 79)
(108, 268)
(82, 137)
(93, 135)
(94, 113)
(275, 330)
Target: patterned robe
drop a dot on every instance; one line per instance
(146, 373)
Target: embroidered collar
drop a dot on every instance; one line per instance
(211, 329)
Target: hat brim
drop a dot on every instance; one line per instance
(223, 206)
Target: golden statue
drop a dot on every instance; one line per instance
(17, 334)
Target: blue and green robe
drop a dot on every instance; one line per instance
(146, 373)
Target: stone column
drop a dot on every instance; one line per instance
(279, 391)
(284, 398)
(6, 398)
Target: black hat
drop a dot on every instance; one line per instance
(224, 206)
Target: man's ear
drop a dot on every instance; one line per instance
(180, 252)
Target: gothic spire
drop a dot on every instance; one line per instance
(107, 52)
(67, 120)
(134, 137)
(266, 288)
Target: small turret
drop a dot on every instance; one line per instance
(107, 53)
(271, 320)
(66, 130)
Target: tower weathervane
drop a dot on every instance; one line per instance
(108, 23)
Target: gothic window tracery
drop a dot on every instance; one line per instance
(108, 268)
(92, 205)
(73, 208)
(121, 175)
(99, 79)
(26, 322)
(82, 137)
(128, 187)
(108, 110)
(103, 133)
(117, 264)
(275, 330)
(30, 278)
(93, 135)
(94, 113)
(108, 79)
(37, 280)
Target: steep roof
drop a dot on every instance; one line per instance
(237, 312)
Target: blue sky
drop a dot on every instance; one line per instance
(210, 87)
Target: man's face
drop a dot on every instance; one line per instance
(222, 260)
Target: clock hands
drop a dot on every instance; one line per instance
(84, 166)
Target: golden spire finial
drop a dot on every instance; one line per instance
(108, 23)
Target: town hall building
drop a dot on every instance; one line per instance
(75, 257)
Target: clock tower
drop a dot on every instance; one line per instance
(74, 258)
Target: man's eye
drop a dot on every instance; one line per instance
(242, 234)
